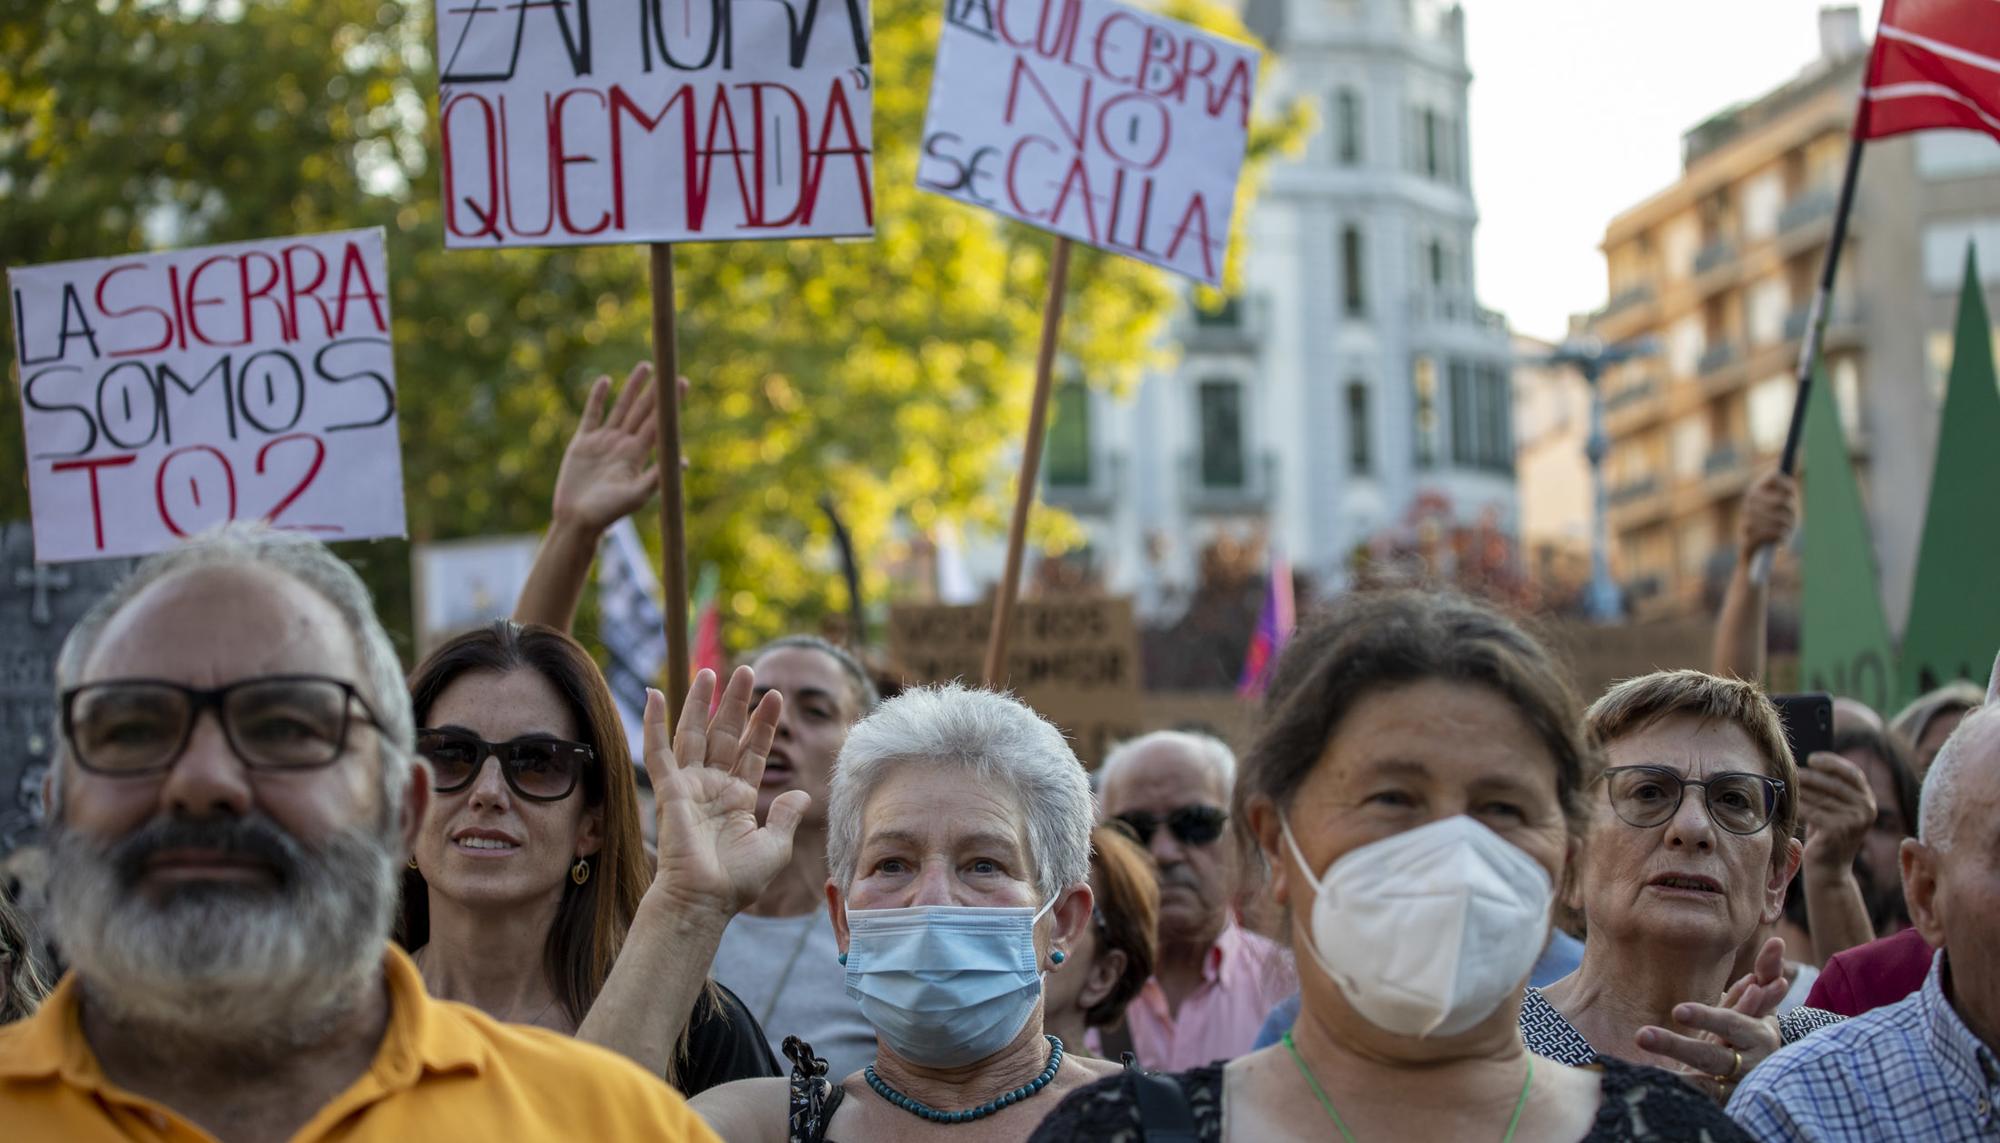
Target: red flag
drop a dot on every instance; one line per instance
(1936, 63)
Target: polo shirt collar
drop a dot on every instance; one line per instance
(1966, 1062)
(422, 1035)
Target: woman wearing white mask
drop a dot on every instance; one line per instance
(959, 855)
(1417, 793)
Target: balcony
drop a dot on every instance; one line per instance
(1632, 491)
(1727, 458)
(1843, 322)
(1454, 308)
(1626, 299)
(1209, 493)
(1714, 256)
(1631, 395)
(1805, 210)
(1233, 328)
(1096, 494)
(1716, 358)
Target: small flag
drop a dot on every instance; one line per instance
(1274, 630)
(706, 638)
(631, 626)
(1936, 63)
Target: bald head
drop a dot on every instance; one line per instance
(1853, 715)
(1964, 778)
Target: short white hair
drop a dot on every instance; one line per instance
(994, 737)
(1937, 820)
(303, 559)
(1211, 751)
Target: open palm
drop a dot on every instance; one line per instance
(605, 474)
(713, 854)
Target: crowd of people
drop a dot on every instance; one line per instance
(294, 893)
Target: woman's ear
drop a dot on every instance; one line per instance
(1105, 972)
(1266, 827)
(1071, 915)
(1782, 872)
(590, 832)
(836, 908)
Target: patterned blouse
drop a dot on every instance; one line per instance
(1550, 1035)
(1640, 1105)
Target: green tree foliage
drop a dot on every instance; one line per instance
(892, 374)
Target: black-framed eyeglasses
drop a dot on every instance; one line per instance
(537, 767)
(130, 728)
(1190, 825)
(1648, 796)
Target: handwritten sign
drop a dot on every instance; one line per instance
(1076, 661)
(567, 122)
(1095, 120)
(166, 393)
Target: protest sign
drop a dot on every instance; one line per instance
(1094, 120)
(162, 394)
(462, 584)
(572, 123)
(1076, 661)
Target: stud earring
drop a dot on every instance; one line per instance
(1057, 957)
(580, 872)
(843, 958)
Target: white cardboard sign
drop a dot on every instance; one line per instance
(1092, 119)
(572, 122)
(163, 394)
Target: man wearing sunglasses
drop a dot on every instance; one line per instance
(1213, 980)
(233, 796)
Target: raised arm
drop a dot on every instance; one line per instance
(714, 860)
(1837, 808)
(605, 476)
(1770, 512)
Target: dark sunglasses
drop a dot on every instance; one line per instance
(1190, 825)
(538, 769)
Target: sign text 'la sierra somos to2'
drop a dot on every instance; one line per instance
(167, 393)
(1095, 120)
(568, 122)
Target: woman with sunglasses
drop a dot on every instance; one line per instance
(1689, 853)
(530, 895)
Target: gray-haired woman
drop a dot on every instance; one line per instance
(959, 861)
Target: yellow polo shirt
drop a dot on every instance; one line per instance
(445, 1071)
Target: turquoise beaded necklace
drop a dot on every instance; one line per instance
(925, 1111)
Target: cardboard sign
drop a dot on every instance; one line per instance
(462, 584)
(575, 122)
(163, 394)
(1076, 661)
(1095, 120)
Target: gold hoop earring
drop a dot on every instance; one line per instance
(413, 861)
(580, 872)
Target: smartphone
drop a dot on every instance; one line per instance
(1808, 723)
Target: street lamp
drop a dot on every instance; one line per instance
(1603, 602)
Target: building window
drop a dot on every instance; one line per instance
(1360, 460)
(1348, 124)
(1481, 416)
(1431, 141)
(1068, 442)
(1434, 254)
(1353, 286)
(1423, 385)
(1221, 411)
(1228, 316)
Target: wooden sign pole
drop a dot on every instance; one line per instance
(673, 515)
(1031, 465)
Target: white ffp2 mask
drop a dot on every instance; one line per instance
(1426, 932)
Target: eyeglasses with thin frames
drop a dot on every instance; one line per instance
(1648, 796)
(132, 728)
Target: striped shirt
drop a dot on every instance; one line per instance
(1912, 1070)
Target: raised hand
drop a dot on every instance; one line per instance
(713, 854)
(1837, 808)
(1770, 513)
(1730, 1038)
(605, 474)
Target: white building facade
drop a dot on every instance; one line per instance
(1356, 382)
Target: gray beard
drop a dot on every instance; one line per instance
(250, 970)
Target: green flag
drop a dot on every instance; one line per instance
(1955, 613)
(1844, 645)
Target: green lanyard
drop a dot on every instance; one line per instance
(1513, 1122)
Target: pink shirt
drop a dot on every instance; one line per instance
(1243, 978)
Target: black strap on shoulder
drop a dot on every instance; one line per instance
(1164, 1115)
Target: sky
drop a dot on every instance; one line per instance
(1577, 112)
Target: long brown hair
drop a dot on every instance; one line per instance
(591, 922)
(1128, 911)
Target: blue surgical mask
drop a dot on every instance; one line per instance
(944, 985)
